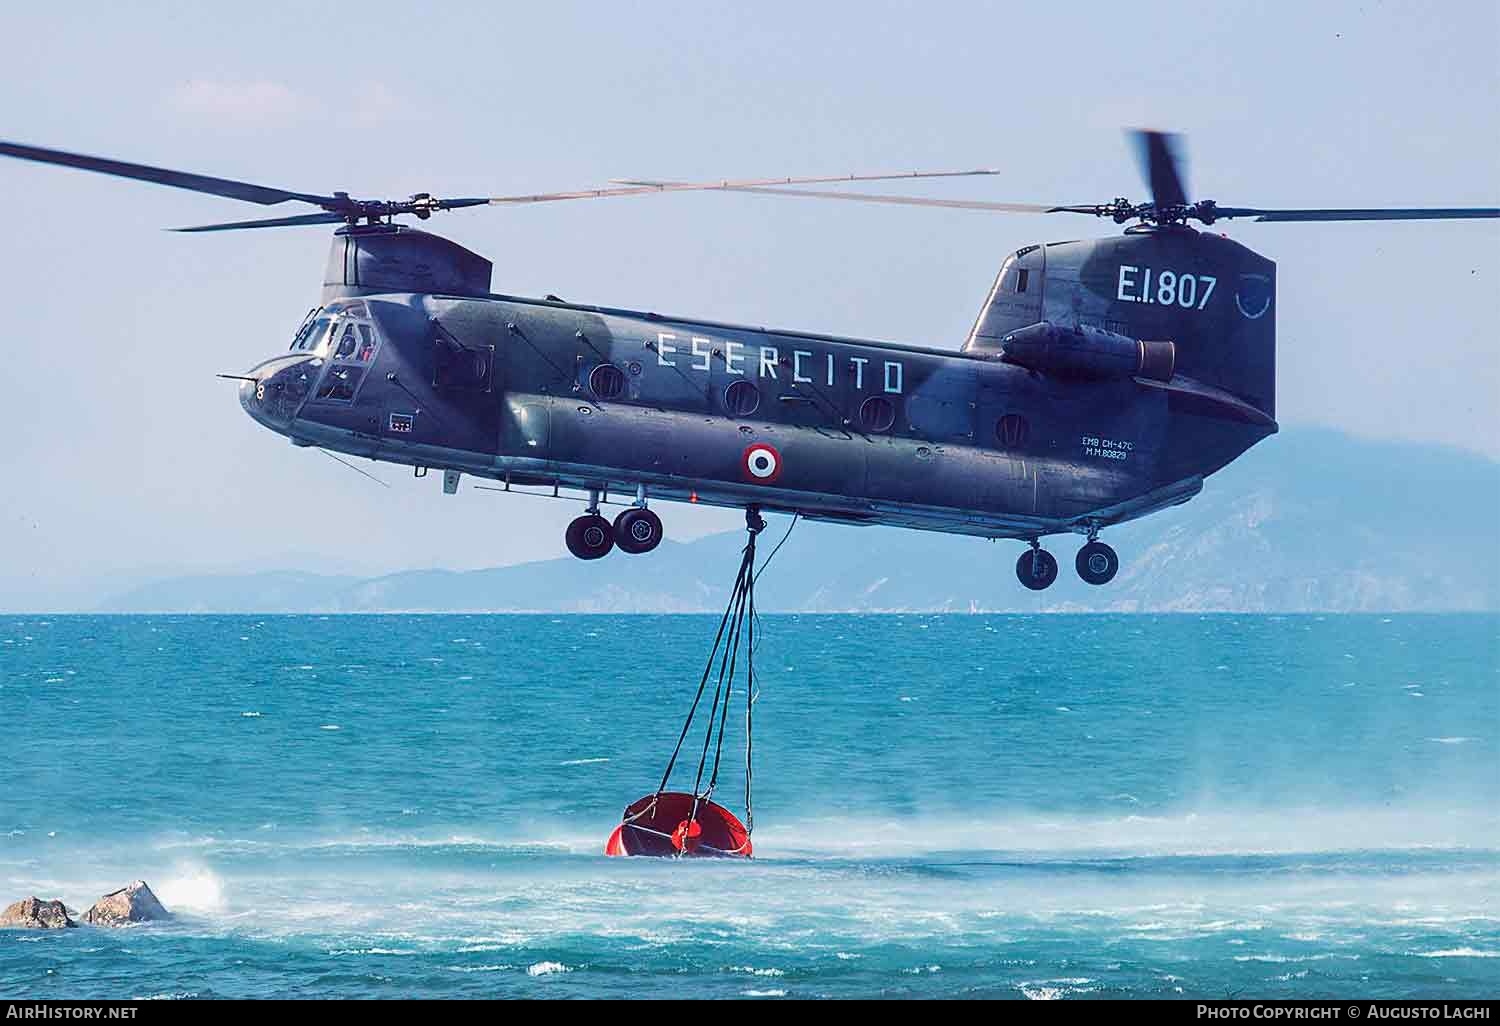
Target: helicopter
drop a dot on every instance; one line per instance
(1103, 380)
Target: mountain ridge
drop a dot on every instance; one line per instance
(1312, 521)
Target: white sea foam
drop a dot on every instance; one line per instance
(1220, 832)
(547, 969)
(584, 762)
(192, 889)
(763, 993)
(1042, 993)
(1459, 953)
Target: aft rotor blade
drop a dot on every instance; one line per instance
(1333, 214)
(1157, 152)
(885, 176)
(273, 222)
(161, 176)
(907, 201)
(637, 187)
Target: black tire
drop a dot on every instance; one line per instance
(637, 530)
(1037, 569)
(1097, 563)
(590, 537)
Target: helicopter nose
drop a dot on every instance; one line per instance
(253, 393)
(271, 392)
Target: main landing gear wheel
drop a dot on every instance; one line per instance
(637, 530)
(1037, 568)
(590, 537)
(1097, 563)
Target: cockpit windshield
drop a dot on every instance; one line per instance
(312, 333)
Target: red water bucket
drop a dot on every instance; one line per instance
(671, 829)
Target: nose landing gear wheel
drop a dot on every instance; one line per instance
(590, 537)
(1097, 563)
(1037, 568)
(637, 530)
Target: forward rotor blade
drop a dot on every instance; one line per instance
(458, 204)
(161, 176)
(1159, 163)
(273, 222)
(1331, 214)
(553, 197)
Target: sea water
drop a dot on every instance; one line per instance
(1011, 806)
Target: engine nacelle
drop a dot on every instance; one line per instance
(1084, 352)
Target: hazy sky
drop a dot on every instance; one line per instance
(125, 455)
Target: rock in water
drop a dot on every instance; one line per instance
(34, 913)
(133, 904)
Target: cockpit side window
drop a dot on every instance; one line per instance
(351, 348)
(366, 343)
(348, 342)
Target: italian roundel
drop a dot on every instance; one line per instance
(762, 463)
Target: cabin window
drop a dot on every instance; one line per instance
(459, 367)
(607, 381)
(1012, 431)
(877, 413)
(1023, 275)
(741, 399)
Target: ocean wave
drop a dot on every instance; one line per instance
(339, 952)
(1279, 959)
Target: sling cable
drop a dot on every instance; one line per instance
(677, 824)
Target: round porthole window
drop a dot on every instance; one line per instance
(741, 399)
(877, 413)
(1012, 431)
(607, 381)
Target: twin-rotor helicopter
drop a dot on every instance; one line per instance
(1103, 380)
